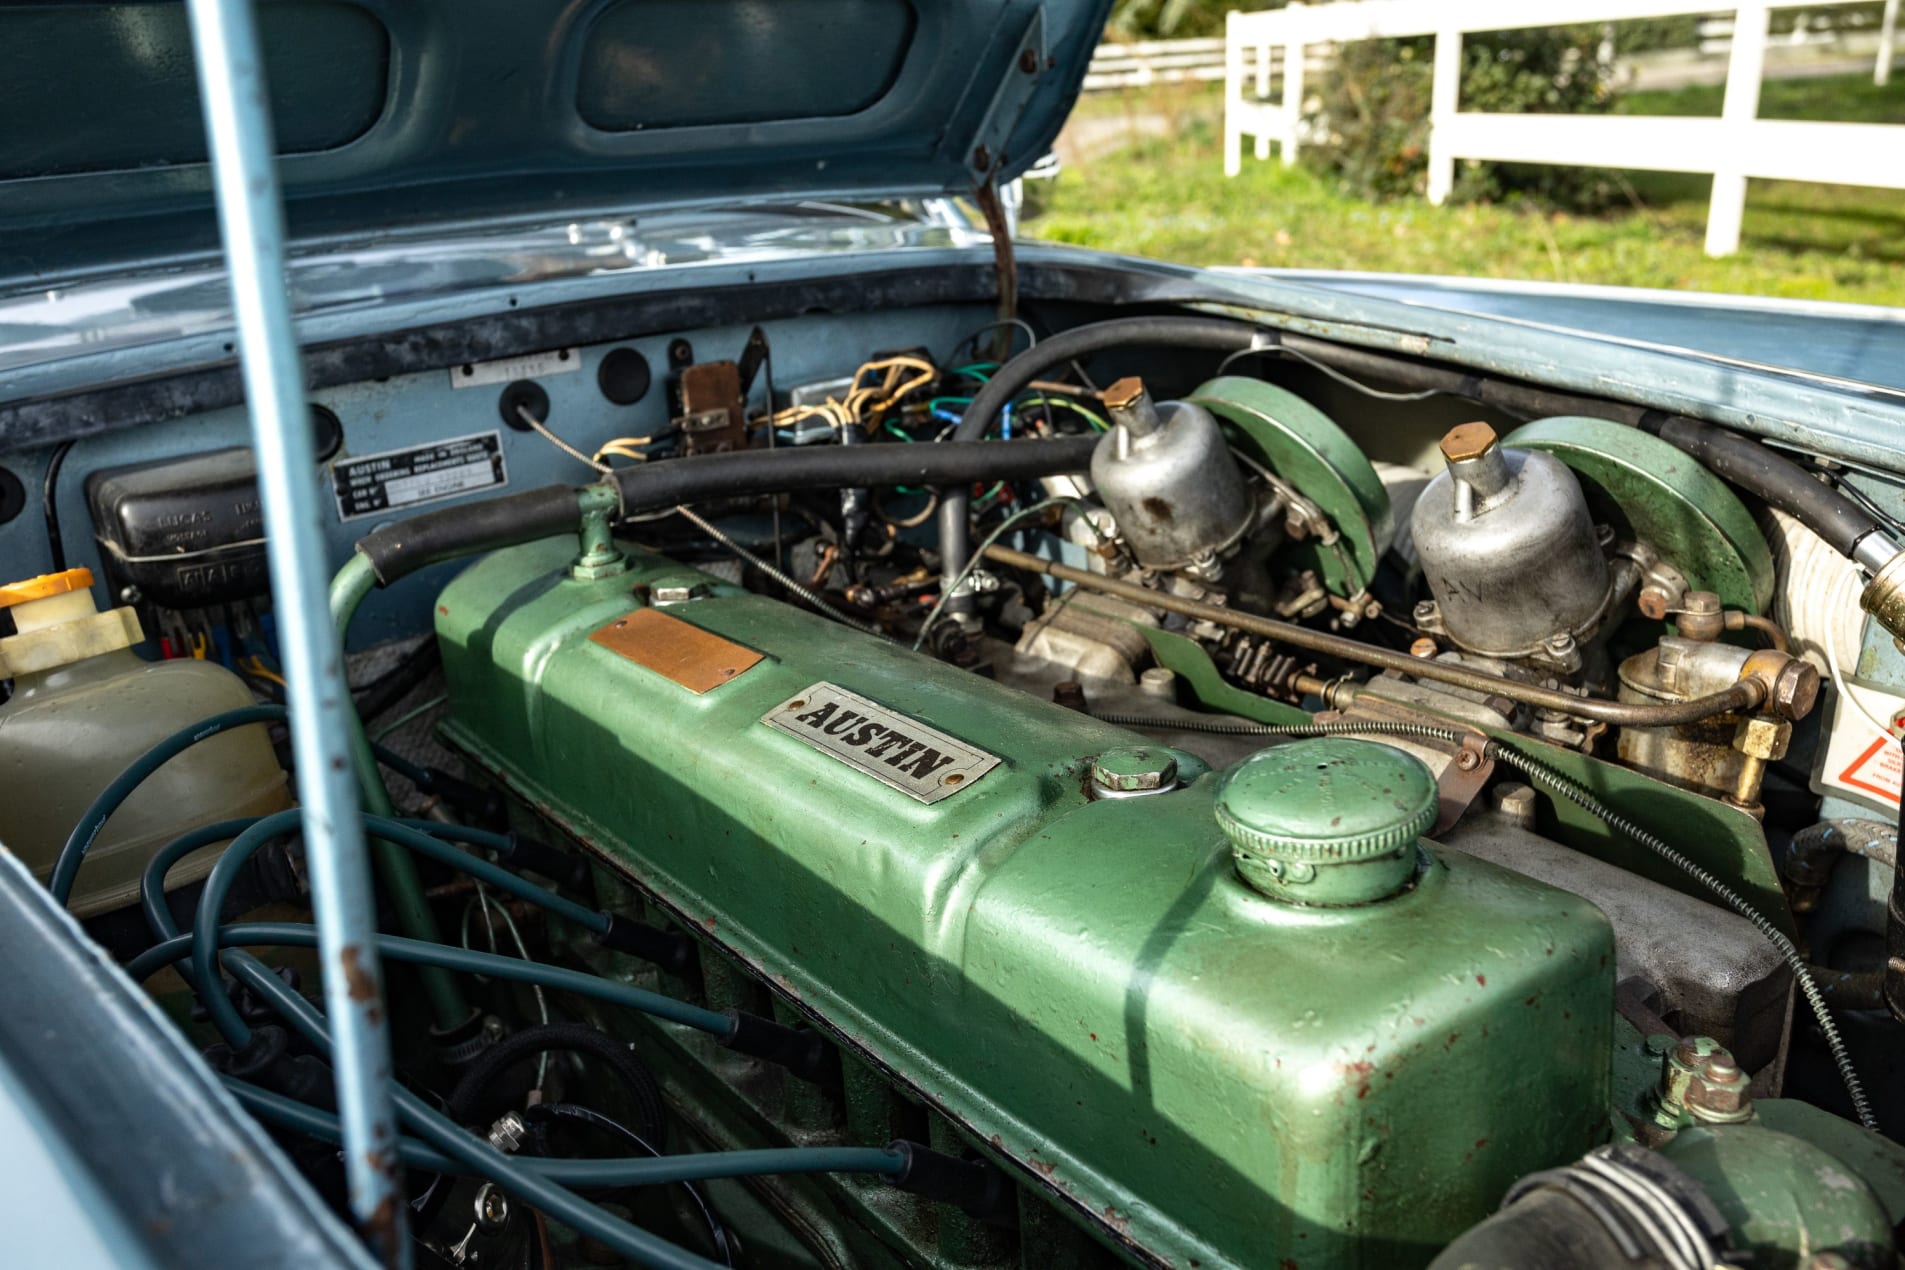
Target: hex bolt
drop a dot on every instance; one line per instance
(1474, 456)
(1137, 770)
(1131, 407)
(1720, 1066)
(1560, 643)
(680, 592)
(1467, 441)
(1701, 1083)
(1700, 616)
(507, 1134)
(1692, 1052)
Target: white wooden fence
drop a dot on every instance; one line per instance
(1733, 147)
(1147, 62)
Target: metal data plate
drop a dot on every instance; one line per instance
(921, 762)
(696, 659)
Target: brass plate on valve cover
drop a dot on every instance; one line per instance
(696, 659)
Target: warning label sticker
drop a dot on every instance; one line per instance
(403, 478)
(1862, 762)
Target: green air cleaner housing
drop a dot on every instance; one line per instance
(1329, 821)
(1082, 983)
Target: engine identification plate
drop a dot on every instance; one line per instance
(902, 753)
(698, 660)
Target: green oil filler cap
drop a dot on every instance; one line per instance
(1334, 821)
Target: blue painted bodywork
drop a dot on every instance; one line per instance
(495, 184)
(492, 112)
(1861, 343)
(122, 1148)
(1551, 337)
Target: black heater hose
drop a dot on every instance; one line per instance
(402, 548)
(1771, 476)
(955, 531)
(1744, 462)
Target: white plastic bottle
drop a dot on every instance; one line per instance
(84, 707)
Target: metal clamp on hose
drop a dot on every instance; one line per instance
(1618, 1205)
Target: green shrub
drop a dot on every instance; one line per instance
(1369, 118)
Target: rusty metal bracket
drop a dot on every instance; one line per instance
(1462, 781)
(1459, 782)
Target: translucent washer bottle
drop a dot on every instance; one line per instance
(84, 707)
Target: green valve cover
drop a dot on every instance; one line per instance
(914, 856)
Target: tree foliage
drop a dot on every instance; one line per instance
(1368, 121)
(1175, 19)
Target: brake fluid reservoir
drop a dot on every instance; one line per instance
(84, 707)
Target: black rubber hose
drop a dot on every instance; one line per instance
(567, 1038)
(653, 486)
(398, 550)
(1620, 1205)
(385, 691)
(955, 531)
(1771, 476)
(1548, 1231)
(50, 505)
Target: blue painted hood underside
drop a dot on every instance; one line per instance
(421, 115)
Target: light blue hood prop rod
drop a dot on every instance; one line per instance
(245, 183)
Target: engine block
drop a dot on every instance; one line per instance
(917, 861)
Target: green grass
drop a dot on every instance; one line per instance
(1168, 198)
(1848, 98)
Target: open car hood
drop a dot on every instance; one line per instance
(425, 114)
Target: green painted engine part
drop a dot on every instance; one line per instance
(1653, 493)
(1304, 446)
(1722, 839)
(1186, 1066)
(1787, 1200)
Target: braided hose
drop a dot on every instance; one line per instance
(1556, 783)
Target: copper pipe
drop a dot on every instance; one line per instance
(1775, 637)
(1745, 695)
